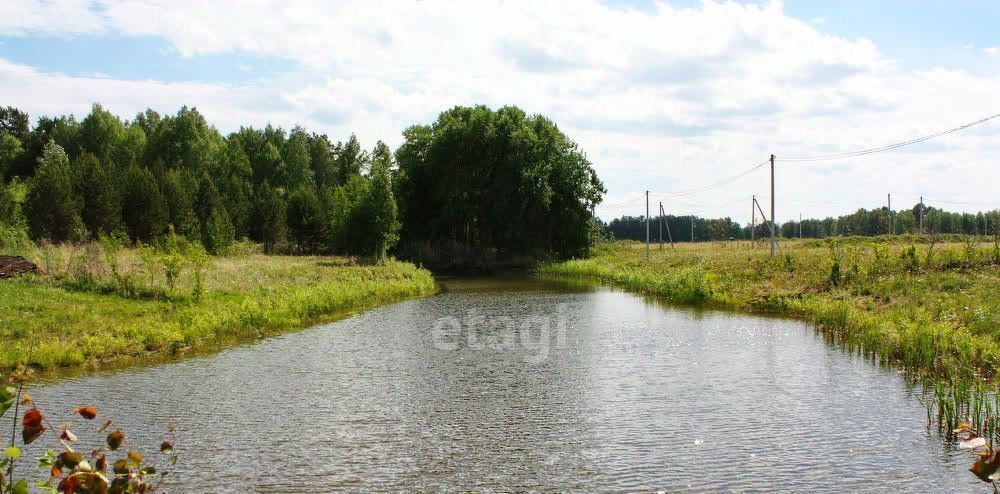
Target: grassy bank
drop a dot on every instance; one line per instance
(94, 305)
(931, 306)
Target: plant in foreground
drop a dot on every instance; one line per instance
(105, 469)
(987, 467)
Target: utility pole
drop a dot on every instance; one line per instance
(800, 226)
(661, 225)
(921, 215)
(773, 239)
(753, 220)
(647, 225)
(692, 228)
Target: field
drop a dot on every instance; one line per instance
(96, 305)
(929, 304)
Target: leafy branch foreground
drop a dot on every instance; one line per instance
(98, 303)
(74, 469)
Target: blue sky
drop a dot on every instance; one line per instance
(135, 57)
(662, 96)
(919, 34)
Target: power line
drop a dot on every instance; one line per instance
(698, 207)
(961, 202)
(888, 147)
(714, 185)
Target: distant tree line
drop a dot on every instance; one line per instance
(863, 222)
(680, 227)
(498, 182)
(294, 191)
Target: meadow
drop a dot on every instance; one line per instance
(100, 304)
(930, 304)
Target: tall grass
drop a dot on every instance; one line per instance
(931, 307)
(98, 303)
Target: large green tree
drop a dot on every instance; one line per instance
(351, 159)
(96, 186)
(307, 226)
(178, 190)
(52, 209)
(144, 210)
(14, 122)
(381, 203)
(10, 150)
(495, 184)
(269, 211)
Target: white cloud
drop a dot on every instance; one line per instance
(992, 50)
(665, 99)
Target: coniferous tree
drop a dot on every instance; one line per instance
(180, 205)
(217, 231)
(235, 184)
(322, 161)
(348, 225)
(269, 214)
(96, 187)
(144, 210)
(63, 130)
(52, 209)
(306, 220)
(216, 226)
(351, 159)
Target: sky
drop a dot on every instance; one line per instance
(662, 96)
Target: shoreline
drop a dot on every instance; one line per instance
(58, 328)
(879, 317)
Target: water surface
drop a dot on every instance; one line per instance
(618, 394)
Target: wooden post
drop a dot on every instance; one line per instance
(773, 238)
(647, 225)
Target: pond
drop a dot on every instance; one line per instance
(530, 385)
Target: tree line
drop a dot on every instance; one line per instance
(863, 222)
(493, 183)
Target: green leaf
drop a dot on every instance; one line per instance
(21, 487)
(7, 396)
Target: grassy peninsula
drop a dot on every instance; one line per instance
(95, 304)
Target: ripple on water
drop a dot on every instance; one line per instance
(642, 398)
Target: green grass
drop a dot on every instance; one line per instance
(931, 307)
(80, 314)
